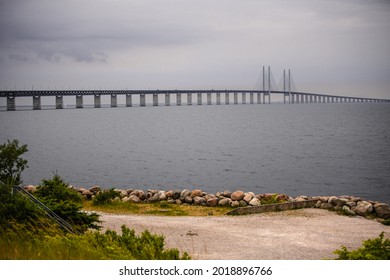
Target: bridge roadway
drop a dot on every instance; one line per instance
(263, 96)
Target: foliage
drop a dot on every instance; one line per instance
(66, 203)
(89, 246)
(372, 249)
(11, 163)
(13, 207)
(105, 197)
(270, 199)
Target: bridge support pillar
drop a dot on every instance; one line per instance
(178, 99)
(167, 99)
(59, 102)
(129, 101)
(269, 97)
(227, 101)
(142, 100)
(199, 98)
(251, 98)
(209, 98)
(114, 102)
(243, 96)
(218, 98)
(292, 98)
(306, 98)
(79, 101)
(235, 98)
(97, 101)
(36, 103)
(189, 99)
(155, 99)
(259, 98)
(302, 98)
(11, 103)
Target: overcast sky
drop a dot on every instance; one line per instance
(335, 47)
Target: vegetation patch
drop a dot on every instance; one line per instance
(371, 249)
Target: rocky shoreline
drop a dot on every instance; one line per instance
(348, 205)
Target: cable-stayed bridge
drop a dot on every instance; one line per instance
(265, 88)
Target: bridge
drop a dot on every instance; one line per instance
(261, 95)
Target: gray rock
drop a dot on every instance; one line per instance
(188, 199)
(333, 200)
(176, 194)
(382, 210)
(363, 208)
(170, 200)
(178, 201)
(351, 204)
(94, 189)
(134, 199)
(153, 198)
(227, 194)
(248, 197)
(162, 196)
(234, 204)
(224, 202)
(326, 205)
(184, 194)
(254, 202)
(242, 203)
(318, 204)
(199, 200)
(348, 210)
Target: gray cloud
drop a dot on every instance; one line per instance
(156, 43)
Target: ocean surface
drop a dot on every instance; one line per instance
(297, 149)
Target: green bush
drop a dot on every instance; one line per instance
(89, 246)
(66, 203)
(372, 249)
(105, 197)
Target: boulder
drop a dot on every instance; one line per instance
(162, 196)
(348, 210)
(170, 200)
(282, 197)
(351, 204)
(94, 189)
(243, 203)
(195, 193)
(254, 202)
(301, 198)
(234, 204)
(178, 201)
(184, 194)
(227, 194)
(248, 197)
(382, 210)
(326, 205)
(176, 194)
(188, 199)
(153, 198)
(199, 200)
(224, 201)
(318, 204)
(237, 195)
(363, 208)
(125, 199)
(169, 193)
(212, 202)
(122, 193)
(134, 199)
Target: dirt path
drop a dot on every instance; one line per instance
(288, 235)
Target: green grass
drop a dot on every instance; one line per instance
(160, 209)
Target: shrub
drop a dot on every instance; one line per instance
(66, 203)
(11, 163)
(105, 197)
(89, 246)
(372, 249)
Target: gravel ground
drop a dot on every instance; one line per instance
(305, 234)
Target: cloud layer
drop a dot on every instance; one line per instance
(329, 45)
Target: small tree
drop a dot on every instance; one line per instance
(11, 163)
(66, 203)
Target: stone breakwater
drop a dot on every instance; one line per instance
(349, 205)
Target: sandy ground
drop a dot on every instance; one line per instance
(289, 235)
